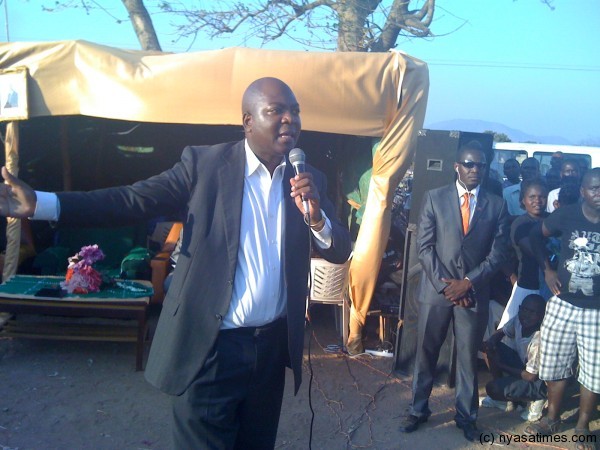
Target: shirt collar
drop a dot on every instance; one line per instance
(461, 190)
(252, 161)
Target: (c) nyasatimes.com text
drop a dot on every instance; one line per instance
(507, 439)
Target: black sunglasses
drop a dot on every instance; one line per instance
(471, 164)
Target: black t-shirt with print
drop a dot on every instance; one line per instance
(579, 264)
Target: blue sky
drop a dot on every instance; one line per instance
(515, 62)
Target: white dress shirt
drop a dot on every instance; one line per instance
(473, 198)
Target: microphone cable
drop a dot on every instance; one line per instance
(308, 298)
(298, 159)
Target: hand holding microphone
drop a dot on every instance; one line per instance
(298, 160)
(304, 191)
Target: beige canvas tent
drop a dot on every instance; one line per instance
(381, 95)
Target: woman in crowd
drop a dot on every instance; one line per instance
(533, 198)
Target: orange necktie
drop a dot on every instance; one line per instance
(465, 211)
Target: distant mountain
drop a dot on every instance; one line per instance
(479, 126)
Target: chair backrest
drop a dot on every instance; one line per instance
(329, 281)
(159, 234)
(173, 237)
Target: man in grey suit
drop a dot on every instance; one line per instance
(462, 239)
(233, 317)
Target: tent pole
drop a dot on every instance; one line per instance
(13, 226)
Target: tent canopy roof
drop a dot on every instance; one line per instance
(346, 93)
(381, 95)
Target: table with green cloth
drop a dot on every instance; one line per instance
(42, 297)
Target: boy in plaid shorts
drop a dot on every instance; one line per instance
(571, 325)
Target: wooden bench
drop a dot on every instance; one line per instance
(129, 301)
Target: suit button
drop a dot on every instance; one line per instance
(218, 317)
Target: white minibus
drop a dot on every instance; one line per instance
(543, 153)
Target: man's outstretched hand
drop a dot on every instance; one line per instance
(17, 199)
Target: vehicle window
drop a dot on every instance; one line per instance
(500, 156)
(545, 157)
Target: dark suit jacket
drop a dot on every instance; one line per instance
(445, 252)
(208, 183)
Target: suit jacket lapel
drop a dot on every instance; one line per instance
(453, 207)
(296, 239)
(231, 185)
(482, 202)
(292, 217)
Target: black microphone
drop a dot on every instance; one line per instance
(298, 160)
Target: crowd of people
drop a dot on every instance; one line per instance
(546, 242)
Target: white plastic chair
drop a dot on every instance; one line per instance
(330, 286)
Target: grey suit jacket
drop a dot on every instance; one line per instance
(208, 184)
(445, 252)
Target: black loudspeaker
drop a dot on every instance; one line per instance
(406, 336)
(433, 167)
(434, 161)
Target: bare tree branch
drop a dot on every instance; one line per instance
(344, 25)
(138, 15)
(401, 19)
(549, 4)
(348, 25)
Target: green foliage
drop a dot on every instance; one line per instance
(499, 137)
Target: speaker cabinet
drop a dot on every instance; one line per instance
(406, 336)
(434, 161)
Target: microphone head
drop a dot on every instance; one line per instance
(297, 156)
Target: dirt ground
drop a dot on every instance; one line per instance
(87, 395)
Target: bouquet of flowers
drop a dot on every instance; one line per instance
(81, 277)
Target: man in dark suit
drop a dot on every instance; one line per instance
(462, 240)
(234, 315)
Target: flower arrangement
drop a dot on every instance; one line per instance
(81, 277)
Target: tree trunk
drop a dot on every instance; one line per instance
(142, 24)
(401, 19)
(351, 27)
